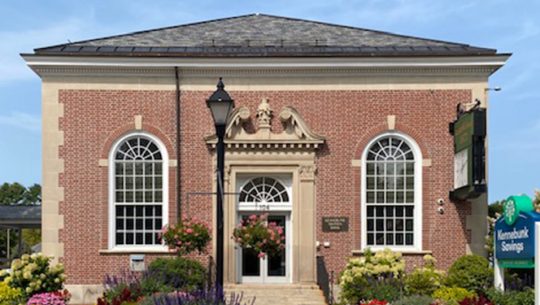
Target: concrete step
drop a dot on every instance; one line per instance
(278, 294)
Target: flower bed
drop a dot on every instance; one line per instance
(379, 279)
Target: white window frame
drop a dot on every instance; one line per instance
(285, 180)
(165, 196)
(418, 203)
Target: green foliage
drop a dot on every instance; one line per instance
(367, 273)
(496, 208)
(414, 300)
(15, 193)
(525, 297)
(452, 295)
(34, 274)
(9, 295)
(3, 242)
(31, 237)
(383, 289)
(471, 272)
(424, 281)
(177, 273)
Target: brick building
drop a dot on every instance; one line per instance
(331, 122)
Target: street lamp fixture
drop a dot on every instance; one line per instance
(221, 105)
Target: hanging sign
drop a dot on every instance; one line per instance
(514, 233)
(469, 131)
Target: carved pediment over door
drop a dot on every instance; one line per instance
(296, 133)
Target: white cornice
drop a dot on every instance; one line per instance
(79, 64)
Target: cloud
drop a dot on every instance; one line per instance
(20, 120)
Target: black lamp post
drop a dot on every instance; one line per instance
(221, 105)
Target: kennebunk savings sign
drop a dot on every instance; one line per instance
(514, 233)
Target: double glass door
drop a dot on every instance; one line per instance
(271, 268)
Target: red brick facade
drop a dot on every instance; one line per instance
(94, 119)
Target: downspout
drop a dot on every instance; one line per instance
(178, 154)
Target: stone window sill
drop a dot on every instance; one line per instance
(137, 251)
(404, 252)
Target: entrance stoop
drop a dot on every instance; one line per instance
(278, 294)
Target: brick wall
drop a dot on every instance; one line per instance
(348, 119)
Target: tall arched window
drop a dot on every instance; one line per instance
(391, 195)
(138, 183)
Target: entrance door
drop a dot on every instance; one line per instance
(272, 268)
(270, 195)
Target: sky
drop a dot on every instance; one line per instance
(508, 26)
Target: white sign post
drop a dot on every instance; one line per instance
(499, 275)
(537, 263)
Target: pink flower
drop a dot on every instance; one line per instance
(189, 231)
(261, 255)
(253, 217)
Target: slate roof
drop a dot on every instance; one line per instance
(20, 215)
(259, 35)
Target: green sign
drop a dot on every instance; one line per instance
(515, 233)
(514, 205)
(516, 263)
(463, 132)
(469, 131)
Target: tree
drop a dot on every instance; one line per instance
(11, 193)
(15, 193)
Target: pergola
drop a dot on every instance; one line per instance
(18, 217)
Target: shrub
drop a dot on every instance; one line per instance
(414, 300)
(187, 236)
(34, 274)
(476, 301)
(471, 272)
(388, 289)
(372, 272)
(125, 287)
(177, 273)
(424, 281)
(9, 295)
(376, 302)
(452, 295)
(525, 297)
(49, 298)
(120, 296)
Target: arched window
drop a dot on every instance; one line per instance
(138, 183)
(391, 195)
(265, 193)
(264, 189)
